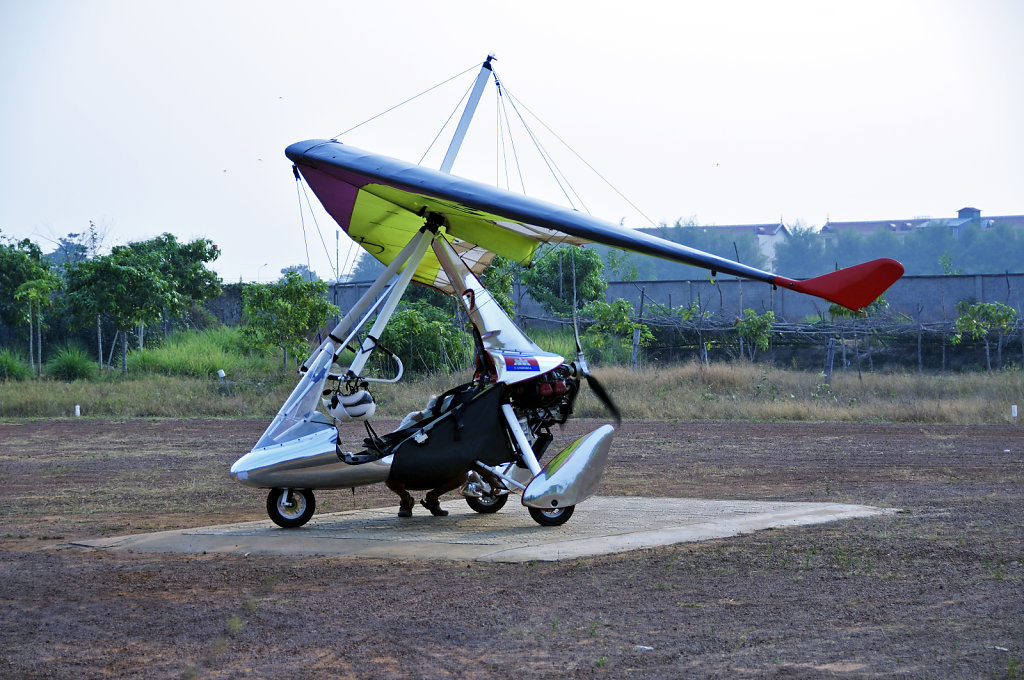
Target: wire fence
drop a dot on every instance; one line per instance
(867, 344)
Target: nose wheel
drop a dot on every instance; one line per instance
(290, 508)
(552, 517)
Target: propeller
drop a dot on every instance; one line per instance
(597, 388)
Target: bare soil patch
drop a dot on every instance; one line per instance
(935, 591)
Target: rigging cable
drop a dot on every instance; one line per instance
(501, 160)
(555, 241)
(318, 231)
(582, 160)
(511, 143)
(300, 189)
(549, 160)
(335, 137)
(302, 217)
(450, 116)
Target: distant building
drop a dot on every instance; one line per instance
(767, 235)
(965, 216)
(770, 235)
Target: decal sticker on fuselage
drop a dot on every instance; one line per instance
(521, 364)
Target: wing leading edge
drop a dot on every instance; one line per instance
(381, 203)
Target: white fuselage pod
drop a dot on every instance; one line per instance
(307, 462)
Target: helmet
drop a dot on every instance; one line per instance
(356, 406)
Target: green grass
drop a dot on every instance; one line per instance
(560, 341)
(200, 354)
(143, 396)
(71, 363)
(12, 366)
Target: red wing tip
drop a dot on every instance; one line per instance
(854, 287)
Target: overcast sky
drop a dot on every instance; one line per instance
(148, 117)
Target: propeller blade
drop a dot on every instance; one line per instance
(603, 396)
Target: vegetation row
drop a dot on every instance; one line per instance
(149, 295)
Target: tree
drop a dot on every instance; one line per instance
(620, 265)
(498, 279)
(183, 267)
(26, 286)
(38, 294)
(610, 337)
(282, 314)
(20, 261)
(367, 268)
(304, 272)
(802, 254)
(551, 279)
(127, 285)
(980, 320)
(427, 336)
(756, 330)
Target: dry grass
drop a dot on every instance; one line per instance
(736, 391)
(149, 396)
(744, 391)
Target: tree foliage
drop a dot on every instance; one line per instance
(982, 320)
(37, 293)
(555, 274)
(499, 278)
(140, 283)
(756, 330)
(609, 337)
(933, 250)
(20, 262)
(183, 267)
(283, 314)
(426, 337)
(802, 254)
(367, 268)
(126, 285)
(304, 272)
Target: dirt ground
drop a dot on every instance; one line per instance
(934, 591)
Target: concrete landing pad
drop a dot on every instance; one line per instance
(600, 525)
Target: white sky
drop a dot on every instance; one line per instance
(148, 117)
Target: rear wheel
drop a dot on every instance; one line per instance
(290, 509)
(487, 504)
(553, 517)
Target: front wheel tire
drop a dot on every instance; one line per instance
(290, 509)
(553, 517)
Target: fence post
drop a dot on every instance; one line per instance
(636, 331)
(830, 354)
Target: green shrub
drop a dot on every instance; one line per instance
(12, 367)
(71, 363)
(427, 339)
(200, 354)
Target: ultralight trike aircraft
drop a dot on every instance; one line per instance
(487, 437)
